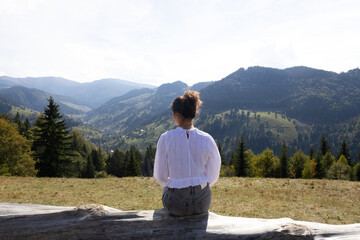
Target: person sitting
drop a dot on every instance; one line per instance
(187, 161)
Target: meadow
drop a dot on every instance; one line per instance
(324, 201)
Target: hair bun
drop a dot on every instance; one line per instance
(193, 97)
(187, 105)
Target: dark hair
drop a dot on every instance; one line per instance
(187, 105)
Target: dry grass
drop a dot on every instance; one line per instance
(335, 202)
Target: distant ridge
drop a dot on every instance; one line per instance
(91, 94)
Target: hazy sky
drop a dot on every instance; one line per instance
(158, 41)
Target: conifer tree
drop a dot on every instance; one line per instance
(223, 162)
(19, 123)
(116, 164)
(90, 169)
(318, 166)
(284, 159)
(240, 161)
(311, 153)
(52, 145)
(148, 163)
(324, 148)
(98, 160)
(132, 161)
(27, 129)
(344, 150)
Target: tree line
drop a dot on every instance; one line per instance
(317, 164)
(49, 149)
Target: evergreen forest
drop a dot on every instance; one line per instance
(50, 149)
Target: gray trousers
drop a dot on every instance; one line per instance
(186, 201)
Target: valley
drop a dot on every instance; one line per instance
(264, 105)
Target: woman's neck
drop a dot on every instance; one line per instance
(186, 124)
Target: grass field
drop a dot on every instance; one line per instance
(325, 201)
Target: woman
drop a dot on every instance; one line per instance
(187, 161)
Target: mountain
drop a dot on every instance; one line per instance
(5, 105)
(265, 105)
(36, 100)
(309, 95)
(133, 109)
(54, 85)
(91, 94)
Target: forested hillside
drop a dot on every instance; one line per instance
(35, 99)
(309, 95)
(266, 122)
(266, 106)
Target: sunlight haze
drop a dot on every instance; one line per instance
(157, 42)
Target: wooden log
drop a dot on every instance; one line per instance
(29, 221)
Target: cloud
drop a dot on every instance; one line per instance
(165, 41)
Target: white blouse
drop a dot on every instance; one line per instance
(186, 157)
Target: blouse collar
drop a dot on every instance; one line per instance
(180, 128)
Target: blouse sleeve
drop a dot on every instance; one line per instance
(161, 171)
(212, 168)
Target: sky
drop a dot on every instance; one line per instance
(162, 41)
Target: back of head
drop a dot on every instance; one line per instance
(187, 105)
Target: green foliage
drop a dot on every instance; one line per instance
(15, 153)
(227, 171)
(319, 169)
(326, 162)
(344, 150)
(90, 169)
(52, 144)
(284, 159)
(240, 163)
(223, 162)
(98, 159)
(133, 160)
(324, 145)
(340, 169)
(297, 162)
(265, 164)
(147, 165)
(116, 164)
(356, 172)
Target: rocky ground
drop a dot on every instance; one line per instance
(29, 221)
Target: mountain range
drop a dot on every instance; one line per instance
(266, 105)
(90, 94)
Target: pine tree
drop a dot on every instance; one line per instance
(240, 162)
(344, 150)
(311, 153)
(132, 161)
(318, 167)
(284, 159)
(324, 145)
(52, 145)
(90, 169)
(27, 129)
(98, 160)
(148, 163)
(19, 123)
(116, 164)
(223, 162)
(357, 173)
